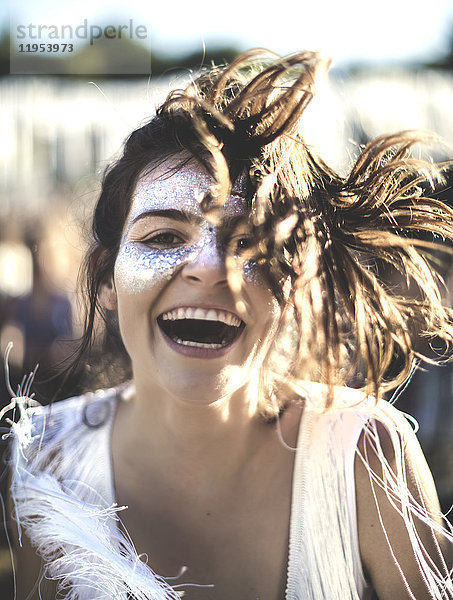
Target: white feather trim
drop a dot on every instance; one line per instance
(71, 526)
(321, 559)
(324, 551)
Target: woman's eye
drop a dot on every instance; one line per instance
(164, 238)
(243, 243)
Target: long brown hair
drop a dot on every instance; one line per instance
(321, 238)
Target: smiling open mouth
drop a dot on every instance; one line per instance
(201, 328)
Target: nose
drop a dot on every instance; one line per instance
(207, 267)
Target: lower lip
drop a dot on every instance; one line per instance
(194, 352)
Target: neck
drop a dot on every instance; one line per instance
(211, 440)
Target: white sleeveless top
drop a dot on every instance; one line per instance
(64, 500)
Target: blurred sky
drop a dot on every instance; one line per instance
(346, 30)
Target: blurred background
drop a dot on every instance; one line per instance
(63, 118)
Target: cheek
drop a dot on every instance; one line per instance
(139, 269)
(273, 307)
(266, 306)
(257, 288)
(255, 277)
(252, 275)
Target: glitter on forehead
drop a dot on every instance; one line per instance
(183, 189)
(240, 185)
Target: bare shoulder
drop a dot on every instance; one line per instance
(399, 520)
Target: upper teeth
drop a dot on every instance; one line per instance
(203, 314)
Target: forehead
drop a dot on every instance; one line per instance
(182, 189)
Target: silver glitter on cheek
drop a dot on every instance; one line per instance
(139, 268)
(251, 274)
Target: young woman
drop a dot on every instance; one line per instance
(242, 275)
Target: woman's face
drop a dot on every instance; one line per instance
(177, 314)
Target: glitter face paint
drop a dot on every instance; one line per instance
(140, 266)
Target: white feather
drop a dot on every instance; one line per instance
(77, 533)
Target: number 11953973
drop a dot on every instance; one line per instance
(32, 48)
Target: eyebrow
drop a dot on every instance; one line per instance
(170, 213)
(183, 216)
